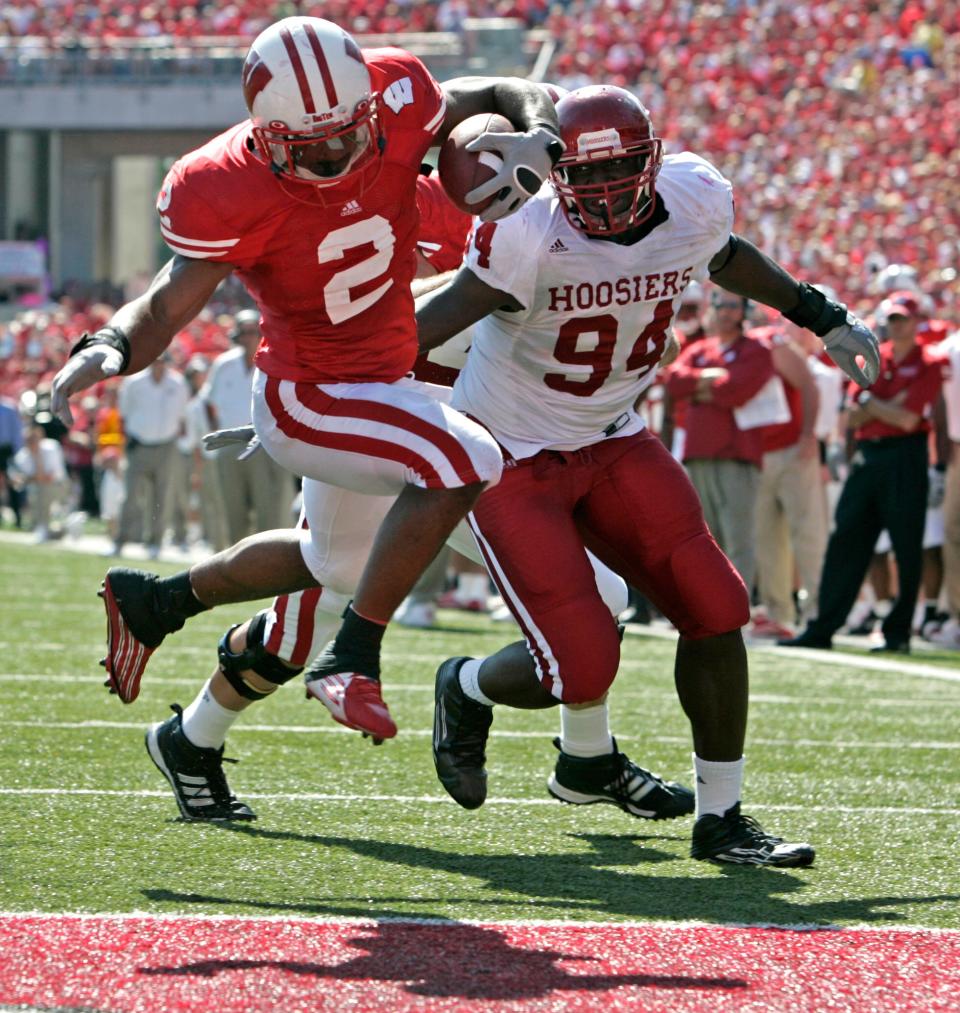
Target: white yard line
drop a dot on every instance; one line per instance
(444, 800)
(423, 733)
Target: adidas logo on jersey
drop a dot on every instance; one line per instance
(558, 247)
(350, 208)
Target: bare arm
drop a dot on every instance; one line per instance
(792, 366)
(741, 268)
(144, 327)
(524, 104)
(452, 308)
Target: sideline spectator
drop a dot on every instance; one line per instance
(38, 468)
(11, 440)
(948, 635)
(255, 493)
(152, 404)
(718, 376)
(791, 520)
(887, 486)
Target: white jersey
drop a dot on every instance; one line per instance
(565, 371)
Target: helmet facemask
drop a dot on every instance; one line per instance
(607, 207)
(314, 115)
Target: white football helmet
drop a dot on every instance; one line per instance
(310, 99)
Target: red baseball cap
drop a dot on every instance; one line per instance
(902, 303)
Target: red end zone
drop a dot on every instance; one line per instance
(213, 965)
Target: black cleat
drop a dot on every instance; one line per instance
(460, 730)
(619, 781)
(736, 838)
(807, 639)
(195, 774)
(892, 647)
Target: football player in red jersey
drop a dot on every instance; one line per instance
(572, 301)
(311, 203)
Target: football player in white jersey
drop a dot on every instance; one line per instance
(572, 301)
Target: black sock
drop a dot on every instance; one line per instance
(358, 643)
(176, 599)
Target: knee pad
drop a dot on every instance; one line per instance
(254, 657)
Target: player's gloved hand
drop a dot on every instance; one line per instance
(243, 435)
(850, 339)
(522, 163)
(844, 335)
(92, 359)
(937, 488)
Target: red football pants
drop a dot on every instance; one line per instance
(632, 505)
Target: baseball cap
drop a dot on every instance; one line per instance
(901, 303)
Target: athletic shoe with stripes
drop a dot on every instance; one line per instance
(195, 774)
(585, 780)
(740, 839)
(460, 730)
(135, 628)
(354, 700)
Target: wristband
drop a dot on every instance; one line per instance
(816, 312)
(111, 336)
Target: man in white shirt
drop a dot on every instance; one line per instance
(257, 485)
(38, 468)
(153, 406)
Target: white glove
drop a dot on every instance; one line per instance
(937, 488)
(850, 339)
(90, 365)
(526, 162)
(231, 437)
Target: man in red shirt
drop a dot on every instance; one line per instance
(887, 485)
(716, 376)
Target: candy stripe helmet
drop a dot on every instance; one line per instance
(600, 124)
(307, 88)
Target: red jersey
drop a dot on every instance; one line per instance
(330, 268)
(783, 434)
(444, 228)
(712, 431)
(919, 373)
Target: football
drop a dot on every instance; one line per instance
(462, 171)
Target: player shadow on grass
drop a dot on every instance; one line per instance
(446, 958)
(577, 885)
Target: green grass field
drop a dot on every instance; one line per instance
(864, 763)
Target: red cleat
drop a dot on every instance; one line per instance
(354, 700)
(127, 654)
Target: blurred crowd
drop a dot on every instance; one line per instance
(133, 456)
(106, 20)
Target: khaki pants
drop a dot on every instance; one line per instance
(951, 532)
(728, 493)
(149, 493)
(257, 486)
(791, 530)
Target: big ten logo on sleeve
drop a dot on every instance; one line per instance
(399, 94)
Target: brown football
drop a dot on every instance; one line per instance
(462, 171)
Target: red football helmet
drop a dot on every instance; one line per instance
(606, 175)
(309, 94)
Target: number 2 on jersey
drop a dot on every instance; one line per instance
(646, 353)
(375, 231)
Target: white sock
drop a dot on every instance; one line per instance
(718, 785)
(882, 608)
(206, 722)
(469, 681)
(585, 731)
